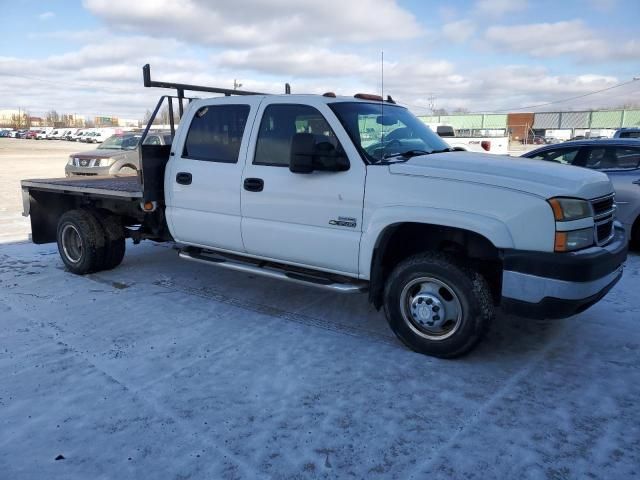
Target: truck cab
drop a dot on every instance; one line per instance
(352, 194)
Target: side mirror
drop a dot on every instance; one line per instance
(301, 157)
(307, 156)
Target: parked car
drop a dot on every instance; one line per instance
(69, 133)
(77, 137)
(5, 133)
(287, 187)
(42, 133)
(118, 155)
(31, 134)
(619, 158)
(627, 133)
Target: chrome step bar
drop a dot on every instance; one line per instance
(271, 270)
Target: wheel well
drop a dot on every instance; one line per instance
(401, 241)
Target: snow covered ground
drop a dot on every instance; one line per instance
(168, 369)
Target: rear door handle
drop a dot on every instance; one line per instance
(184, 178)
(253, 184)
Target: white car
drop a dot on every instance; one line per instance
(79, 135)
(496, 144)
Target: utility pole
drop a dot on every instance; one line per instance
(432, 102)
(236, 84)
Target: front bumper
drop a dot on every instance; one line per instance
(558, 285)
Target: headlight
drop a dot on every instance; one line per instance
(573, 240)
(565, 209)
(70, 162)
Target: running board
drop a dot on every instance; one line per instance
(277, 271)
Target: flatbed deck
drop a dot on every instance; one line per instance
(120, 187)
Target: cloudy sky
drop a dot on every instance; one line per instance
(85, 56)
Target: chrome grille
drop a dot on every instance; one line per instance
(604, 210)
(85, 162)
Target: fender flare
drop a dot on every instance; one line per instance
(494, 230)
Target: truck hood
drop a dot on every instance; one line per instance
(537, 177)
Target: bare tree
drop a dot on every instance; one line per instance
(52, 118)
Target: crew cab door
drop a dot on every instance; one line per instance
(202, 180)
(312, 219)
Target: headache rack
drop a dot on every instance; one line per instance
(153, 158)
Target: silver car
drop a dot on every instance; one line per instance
(619, 158)
(117, 155)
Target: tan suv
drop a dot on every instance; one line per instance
(117, 155)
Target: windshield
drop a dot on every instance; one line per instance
(382, 130)
(120, 142)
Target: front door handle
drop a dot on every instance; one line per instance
(184, 178)
(253, 184)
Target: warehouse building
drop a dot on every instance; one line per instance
(523, 126)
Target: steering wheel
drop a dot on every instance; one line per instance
(379, 150)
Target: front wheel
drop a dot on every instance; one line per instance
(436, 306)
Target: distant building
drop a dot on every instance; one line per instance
(36, 122)
(106, 121)
(125, 122)
(523, 126)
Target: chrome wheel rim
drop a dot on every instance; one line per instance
(72, 243)
(431, 308)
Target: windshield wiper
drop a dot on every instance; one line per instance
(406, 155)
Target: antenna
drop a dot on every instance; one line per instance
(382, 93)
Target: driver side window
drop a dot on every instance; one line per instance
(280, 122)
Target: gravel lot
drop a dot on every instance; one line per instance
(168, 369)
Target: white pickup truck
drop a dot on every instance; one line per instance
(496, 144)
(284, 186)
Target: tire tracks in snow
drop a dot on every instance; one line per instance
(294, 317)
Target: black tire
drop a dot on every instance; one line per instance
(113, 238)
(81, 241)
(634, 241)
(463, 290)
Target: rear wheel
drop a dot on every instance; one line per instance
(113, 238)
(81, 241)
(436, 306)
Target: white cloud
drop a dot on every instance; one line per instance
(497, 8)
(561, 38)
(459, 31)
(46, 15)
(259, 22)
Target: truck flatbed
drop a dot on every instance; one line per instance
(126, 186)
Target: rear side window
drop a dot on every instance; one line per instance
(280, 122)
(565, 156)
(215, 133)
(627, 158)
(632, 134)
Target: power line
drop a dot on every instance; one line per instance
(568, 98)
(537, 105)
